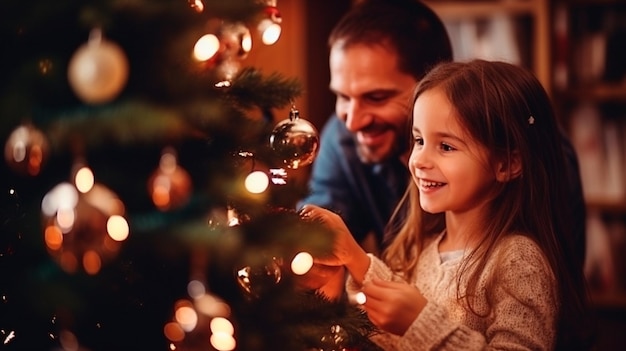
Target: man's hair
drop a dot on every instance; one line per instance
(408, 27)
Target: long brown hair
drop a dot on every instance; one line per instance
(505, 108)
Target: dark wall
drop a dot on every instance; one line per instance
(321, 17)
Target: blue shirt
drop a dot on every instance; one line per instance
(364, 195)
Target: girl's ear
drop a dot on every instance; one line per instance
(509, 168)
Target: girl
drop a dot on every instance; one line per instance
(476, 262)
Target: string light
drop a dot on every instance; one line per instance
(269, 27)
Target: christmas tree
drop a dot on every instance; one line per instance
(146, 197)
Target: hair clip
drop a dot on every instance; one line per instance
(531, 120)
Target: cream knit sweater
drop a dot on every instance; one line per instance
(517, 302)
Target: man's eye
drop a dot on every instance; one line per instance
(377, 98)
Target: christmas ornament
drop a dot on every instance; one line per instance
(83, 228)
(26, 150)
(295, 141)
(236, 40)
(170, 185)
(98, 70)
(223, 48)
(260, 276)
(335, 340)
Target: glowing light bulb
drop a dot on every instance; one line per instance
(117, 227)
(246, 42)
(206, 47)
(302, 263)
(270, 31)
(360, 298)
(84, 179)
(257, 182)
(222, 325)
(187, 317)
(223, 342)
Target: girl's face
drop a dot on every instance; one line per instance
(452, 172)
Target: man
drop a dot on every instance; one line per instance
(379, 50)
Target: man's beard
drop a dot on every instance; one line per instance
(368, 155)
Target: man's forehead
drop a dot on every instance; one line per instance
(361, 69)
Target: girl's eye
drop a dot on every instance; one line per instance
(446, 147)
(419, 140)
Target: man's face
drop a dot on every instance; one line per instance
(373, 98)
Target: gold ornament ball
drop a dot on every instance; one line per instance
(259, 277)
(98, 71)
(295, 141)
(169, 185)
(83, 231)
(26, 150)
(170, 189)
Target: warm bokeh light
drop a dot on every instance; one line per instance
(223, 342)
(65, 219)
(257, 182)
(53, 237)
(198, 5)
(174, 332)
(360, 298)
(92, 262)
(63, 195)
(246, 42)
(168, 161)
(270, 31)
(221, 325)
(206, 47)
(196, 289)
(302, 263)
(117, 228)
(212, 306)
(161, 192)
(84, 179)
(187, 317)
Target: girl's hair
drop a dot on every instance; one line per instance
(505, 108)
(408, 27)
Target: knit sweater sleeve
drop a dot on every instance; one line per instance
(519, 305)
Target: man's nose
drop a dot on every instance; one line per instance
(355, 117)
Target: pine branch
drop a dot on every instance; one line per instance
(251, 88)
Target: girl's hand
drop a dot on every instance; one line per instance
(344, 243)
(346, 250)
(392, 306)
